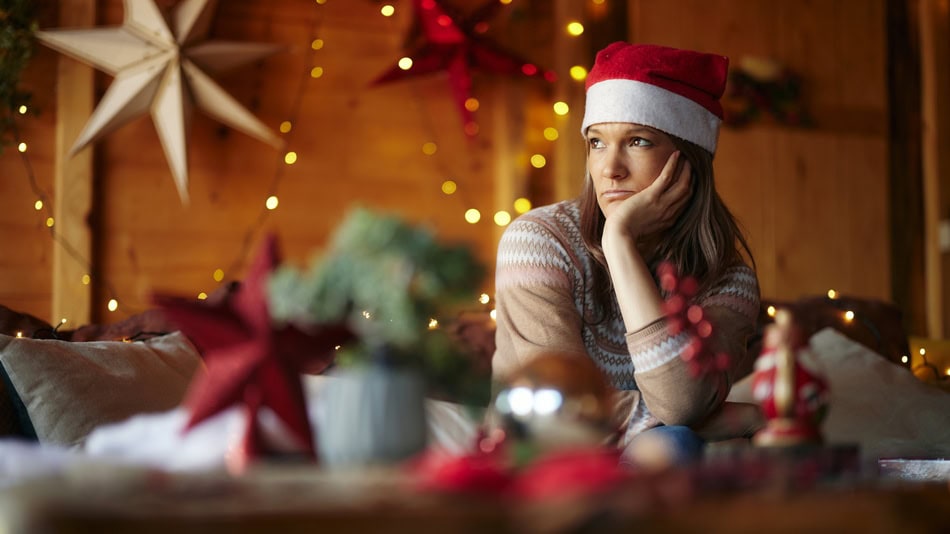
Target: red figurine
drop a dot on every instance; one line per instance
(792, 393)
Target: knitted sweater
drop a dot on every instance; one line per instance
(543, 293)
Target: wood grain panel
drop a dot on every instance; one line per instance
(813, 201)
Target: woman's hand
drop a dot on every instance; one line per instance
(656, 207)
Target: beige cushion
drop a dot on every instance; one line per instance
(69, 388)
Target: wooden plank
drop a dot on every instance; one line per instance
(569, 51)
(904, 165)
(935, 118)
(73, 182)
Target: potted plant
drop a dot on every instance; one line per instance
(398, 288)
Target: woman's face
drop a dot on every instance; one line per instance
(623, 159)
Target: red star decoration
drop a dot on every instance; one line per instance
(452, 42)
(250, 361)
(683, 314)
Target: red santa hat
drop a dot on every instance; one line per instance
(675, 91)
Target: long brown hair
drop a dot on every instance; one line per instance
(702, 243)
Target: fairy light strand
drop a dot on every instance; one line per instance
(282, 164)
(46, 208)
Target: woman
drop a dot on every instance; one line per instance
(579, 276)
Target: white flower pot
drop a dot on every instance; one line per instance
(370, 416)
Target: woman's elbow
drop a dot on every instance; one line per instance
(688, 408)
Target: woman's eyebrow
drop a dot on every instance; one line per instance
(632, 129)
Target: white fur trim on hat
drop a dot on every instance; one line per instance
(620, 100)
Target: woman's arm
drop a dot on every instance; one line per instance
(534, 302)
(672, 393)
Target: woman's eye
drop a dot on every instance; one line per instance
(596, 142)
(639, 141)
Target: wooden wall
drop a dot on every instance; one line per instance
(813, 201)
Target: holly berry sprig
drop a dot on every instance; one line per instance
(684, 315)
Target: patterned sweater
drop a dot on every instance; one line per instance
(543, 281)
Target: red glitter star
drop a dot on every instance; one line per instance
(250, 361)
(452, 42)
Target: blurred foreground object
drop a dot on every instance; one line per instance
(786, 384)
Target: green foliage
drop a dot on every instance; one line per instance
(17, 28)
(388, 280)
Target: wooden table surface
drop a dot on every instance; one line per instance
(306, 499)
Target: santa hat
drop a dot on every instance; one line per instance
(675, 91)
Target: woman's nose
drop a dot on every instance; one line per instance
(614, 168)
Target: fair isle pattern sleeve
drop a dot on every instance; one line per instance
(535, 277)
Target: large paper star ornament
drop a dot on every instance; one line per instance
(159, 67)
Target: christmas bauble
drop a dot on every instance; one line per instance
(555, 401)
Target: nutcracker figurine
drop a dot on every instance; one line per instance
(787, 385)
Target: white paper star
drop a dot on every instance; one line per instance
(161, 71)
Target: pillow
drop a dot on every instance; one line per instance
(65, 389)
(880, 406)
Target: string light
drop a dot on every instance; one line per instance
(271, 202)
(50, 222)
(21, 147)
(578, 73)
(218, 275)
(387, 10)
(849, 316)
(38, 205)
(574, 28)
(472, 216)
(113, 305)
(285, 126)
(316, 72)
(19, 334)
(405, 63)
(22, 110)
(538, 161)
(472, 104)
(832, 294)
(202, 296)
(551, 133)
(492, 314)
(502, 218)
(290, 158)
(904, 359)
(86, 280)
(429, 148)
(561, 108)
(449, 187)
(433, 324)
(316, 44)
(471, 129)
(771, 311)
(522, 205)
(484, 298)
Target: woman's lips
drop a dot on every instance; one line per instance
(617, 194)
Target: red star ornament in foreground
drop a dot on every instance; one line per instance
(159, 64)
(454, 44)
(250, 361)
